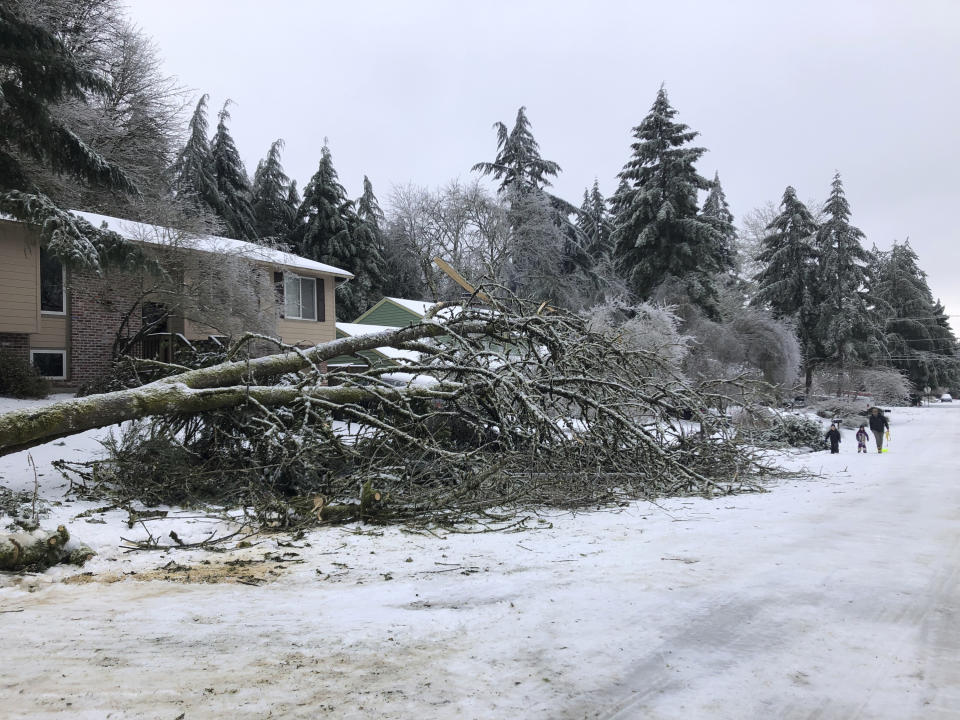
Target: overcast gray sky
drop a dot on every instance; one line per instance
(782, 94)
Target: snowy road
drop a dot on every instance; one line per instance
(828, 598)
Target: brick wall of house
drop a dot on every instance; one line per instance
(15, 344)
(97, 306)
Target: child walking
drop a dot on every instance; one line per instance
(862, 438)
(833, 435)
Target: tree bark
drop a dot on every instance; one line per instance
(217, 387)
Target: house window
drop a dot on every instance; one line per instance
(299, 297)
(51, 363)
(53, 286)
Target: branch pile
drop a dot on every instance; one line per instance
(506, 407)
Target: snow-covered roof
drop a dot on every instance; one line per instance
(157, 235)
(420, 307)
(356, 329)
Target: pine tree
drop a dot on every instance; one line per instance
(658, 231)
(369, 266)
(787, 284)
(593, 221)
(292, 210)
(37, 72)
(233, 185)
(193, 179)
(917, 337)
(717, 212)
(272, 210)
(324, 216)
(518, 164)
(548, 258)
(326, 223)
(847, 326)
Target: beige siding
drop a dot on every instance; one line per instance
(19, 280)
(193, 330)
(309, 332)
(52, 333)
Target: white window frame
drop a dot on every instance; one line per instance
(45, 351)
(63, 286)
(300, 279)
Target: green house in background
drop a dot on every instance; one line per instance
(395, 312)
(387, 314)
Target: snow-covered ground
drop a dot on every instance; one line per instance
(829, 597)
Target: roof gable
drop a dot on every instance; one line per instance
(395, 312)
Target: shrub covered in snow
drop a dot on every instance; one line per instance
(884, 385)
(794, 431)
(750, 419)
(640, 327)
(20, 379)
(850, 412)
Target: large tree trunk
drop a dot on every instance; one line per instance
(213, 388)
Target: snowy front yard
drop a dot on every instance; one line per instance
(831, 597)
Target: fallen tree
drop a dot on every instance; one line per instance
(204, 389)
(499, 406)
(39, 549)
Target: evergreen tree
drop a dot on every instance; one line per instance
(716, 211)
(787, 284)
(272, 210)
(518, 164)
(37, 71)
(548, 258)
(193, 176)
(658, 231)
(369, 265)
(917, 337)
(325, 231)
(233, 185)
(847, 327)
(368, 207)
(293, 211)
(325, 217)
(593, 222)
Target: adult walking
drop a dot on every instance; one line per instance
(878, 424)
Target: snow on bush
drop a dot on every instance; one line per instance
(794, 431)
(642, 327)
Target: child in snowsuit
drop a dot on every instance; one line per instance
(833, 435)
(862, 439)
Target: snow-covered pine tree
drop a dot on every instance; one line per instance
(518, 165)
(548, 259)
(325, 231)
(233, 185)
(658, 231)
(271, 188)
(917, 337)
(717, 212)
(37, 71)
(294, 202)
(369, 265)
(193, 180)
(787, 284)
(593, 221)
(848, 329)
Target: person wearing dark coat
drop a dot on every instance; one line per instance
(878, 423)
(833, 435)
